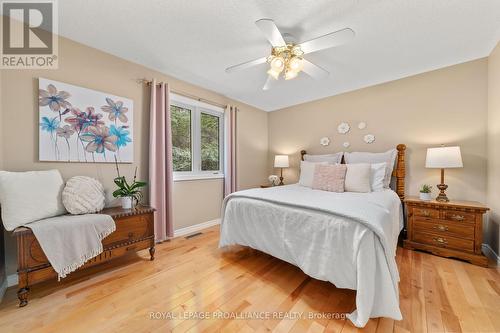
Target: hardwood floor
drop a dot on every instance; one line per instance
(189, 275)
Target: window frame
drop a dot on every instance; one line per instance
(197, 108)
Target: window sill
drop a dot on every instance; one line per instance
(180, 178)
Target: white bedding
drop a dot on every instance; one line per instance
(346, 238)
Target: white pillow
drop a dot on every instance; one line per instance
(307, 172)
(83, 195)
(362, 157)
(330, 158)
(377, 176)
(30, 196)
(357, 178)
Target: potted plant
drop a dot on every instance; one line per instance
(128, 193)
(425, 192)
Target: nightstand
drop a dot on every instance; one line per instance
(449, 229)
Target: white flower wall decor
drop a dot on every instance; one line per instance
(362, 125)
(346, 144)
(325, 141)
(343, 128)
(369, 138)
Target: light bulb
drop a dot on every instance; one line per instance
(273, 73)
(290, 74)
(278, 64)
(296, 64)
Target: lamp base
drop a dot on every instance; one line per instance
(281, 181)
(442, 195)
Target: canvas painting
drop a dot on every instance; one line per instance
(83, 125)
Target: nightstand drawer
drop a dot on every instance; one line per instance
(458, 216)
(426, 212)
(444, 228)
(444, 241)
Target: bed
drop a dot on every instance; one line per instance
(348, 239)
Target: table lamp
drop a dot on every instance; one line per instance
(281, 161)
(443, 158)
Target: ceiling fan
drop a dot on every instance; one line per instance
(287, 57)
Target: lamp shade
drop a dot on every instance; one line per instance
(444, 158)
(281, 161)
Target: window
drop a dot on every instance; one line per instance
(197, 139)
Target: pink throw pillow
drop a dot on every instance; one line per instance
(329, 177)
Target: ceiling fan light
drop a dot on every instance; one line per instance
(290, 74)
(296, 64)
(278, 63)
(297, 51)
(274, 73)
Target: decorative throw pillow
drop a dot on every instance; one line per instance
(26, 197)
(83, 195)
(357, 178)
(329, 177)
(388, 157)
(330, 158)
(377, 176)
(307, 172)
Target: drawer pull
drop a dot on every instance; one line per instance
(441, 227)
(425, 213)
(457, 217)
(440, 240)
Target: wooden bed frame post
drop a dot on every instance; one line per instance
(400, 171)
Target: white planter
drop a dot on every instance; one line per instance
(127, 202)
(425, 196)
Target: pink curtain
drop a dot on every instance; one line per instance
(230, 116)
(160, 161)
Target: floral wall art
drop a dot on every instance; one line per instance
(83, 125)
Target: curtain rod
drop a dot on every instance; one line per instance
(188, 95)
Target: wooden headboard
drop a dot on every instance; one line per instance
(399, 172)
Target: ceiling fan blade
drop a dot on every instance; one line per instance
(270, 83)
(327, 41)
(314, 71)
(270, 30)
(246, 65)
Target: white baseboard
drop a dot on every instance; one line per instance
(12, 280)
(490, 253)
(194, 228)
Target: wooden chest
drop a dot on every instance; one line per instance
(448, 229)
(134, 232)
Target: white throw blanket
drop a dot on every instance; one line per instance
(69, 241)
(314, 230)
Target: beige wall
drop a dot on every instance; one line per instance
(447, 106)
(493, 229)
(194, 201)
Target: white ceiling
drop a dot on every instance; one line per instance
(196, 40)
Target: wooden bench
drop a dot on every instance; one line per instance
(134, 232)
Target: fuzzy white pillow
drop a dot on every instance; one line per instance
(26, 197)
(307, 172)
(83, 195)
(357, 178)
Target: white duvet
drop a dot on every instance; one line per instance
(348, 239)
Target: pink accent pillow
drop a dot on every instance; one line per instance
(329, 177)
